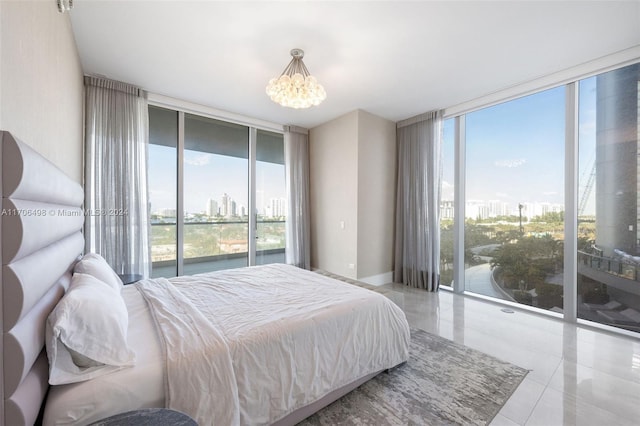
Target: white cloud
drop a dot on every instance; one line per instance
(502, 195)
(510, 163)
(197, 159)
(550, 193)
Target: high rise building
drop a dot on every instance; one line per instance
(446, 209)
(277, 207)
(617, 140)
(497, 208)
(227, 206)
(617, 193)
(476, 209)
(211, 209)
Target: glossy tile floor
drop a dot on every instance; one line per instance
(578, 375)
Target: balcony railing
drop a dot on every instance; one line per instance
(610, 265)
(215, 245)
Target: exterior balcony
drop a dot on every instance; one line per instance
(212, 246)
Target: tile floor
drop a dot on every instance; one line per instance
(578, 375)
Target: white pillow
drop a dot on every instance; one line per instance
(88, 326)
(95, 265)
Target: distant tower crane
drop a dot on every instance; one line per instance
(587, 190)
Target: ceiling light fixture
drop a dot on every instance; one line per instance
(296, 87)
(64, 5)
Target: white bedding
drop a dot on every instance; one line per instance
(293, 337)
(200, 380)
(140, 386)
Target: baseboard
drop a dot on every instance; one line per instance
(379, 279)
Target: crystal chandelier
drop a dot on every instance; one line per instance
(296, 88)
(64, 5)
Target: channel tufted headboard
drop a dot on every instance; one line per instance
(41, 232)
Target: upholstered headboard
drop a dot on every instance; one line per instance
(41, 232)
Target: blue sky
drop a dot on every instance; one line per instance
(209, 176)
(162, 177)
(515, 150)
(515, 153)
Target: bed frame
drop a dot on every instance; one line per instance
(41, 232)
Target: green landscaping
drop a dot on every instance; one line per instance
(527, 261)
(214, 238)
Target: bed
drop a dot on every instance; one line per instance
(268, 345)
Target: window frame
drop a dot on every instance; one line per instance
(569, 79)
(182, 108)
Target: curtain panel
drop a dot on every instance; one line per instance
(417, 237)
(297, 226)
(117, 223)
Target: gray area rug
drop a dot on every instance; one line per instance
(443, 383)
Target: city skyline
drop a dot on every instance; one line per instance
(227, 207)
(210, 176)
(514, 154)
(485, 209)
(515, 150)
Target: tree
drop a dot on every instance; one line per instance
(512, 263)
(550, 217)
(529, 260)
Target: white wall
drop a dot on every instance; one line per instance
(352, 181)
(333, 176)
(376, 195)
(41, 83)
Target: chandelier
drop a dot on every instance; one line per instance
(64, 5)
(296, 87)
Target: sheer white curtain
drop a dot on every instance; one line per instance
(417, 245)
(116, 198)
(296, 154)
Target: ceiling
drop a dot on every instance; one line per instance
(390, 58)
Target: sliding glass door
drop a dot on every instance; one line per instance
(163, 190)
(216, 186)
(204, 183)
(271, 199)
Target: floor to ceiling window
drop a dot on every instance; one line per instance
(447, 203)
(608, 208)
(514, 207)
(513, 175)
(216, 187)
(202, 193)
(163, 190)
(271, 200)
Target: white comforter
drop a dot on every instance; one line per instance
(276, 337)
(200, 379)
